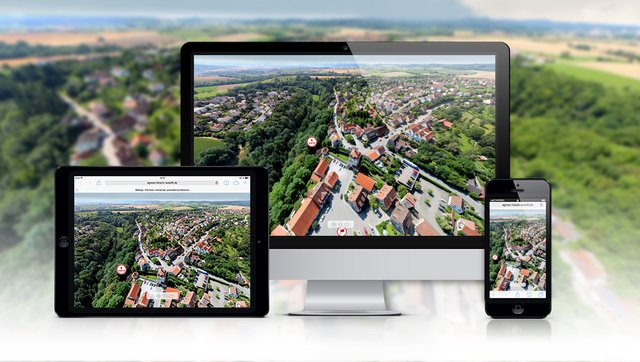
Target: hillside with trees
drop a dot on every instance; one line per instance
(585, 139)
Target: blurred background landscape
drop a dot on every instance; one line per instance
(87, 83)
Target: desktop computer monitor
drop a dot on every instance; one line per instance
(377, 154)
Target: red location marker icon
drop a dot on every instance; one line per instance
(312, 142)
(341, 231)
(121, 269)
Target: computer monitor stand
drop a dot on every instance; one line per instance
(345, 298)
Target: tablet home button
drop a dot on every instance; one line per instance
(63, 241)
(517, 309)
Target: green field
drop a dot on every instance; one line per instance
(214, 90)
(204, 143)
(604, 78)
(208, 92)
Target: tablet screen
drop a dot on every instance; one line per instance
(162, 242)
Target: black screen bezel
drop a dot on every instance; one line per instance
(506, 189)
(498, 49)
(64, 257)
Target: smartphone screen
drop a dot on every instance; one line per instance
(518, 248)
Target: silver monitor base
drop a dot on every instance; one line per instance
(345, 298)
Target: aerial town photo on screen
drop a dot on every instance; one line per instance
(518, 252)
(379, 146)
(159, 253)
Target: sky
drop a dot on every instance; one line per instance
(623, 12)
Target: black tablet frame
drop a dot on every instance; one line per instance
(498, 49)
(64, 255)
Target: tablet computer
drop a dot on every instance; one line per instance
(161, 241)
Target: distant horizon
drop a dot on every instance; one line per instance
(576, 12)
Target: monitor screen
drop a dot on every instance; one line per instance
(162, 242)
(355, 145)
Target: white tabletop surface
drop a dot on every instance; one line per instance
(441, 321)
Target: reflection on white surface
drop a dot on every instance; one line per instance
(499, 329)
(440, 321)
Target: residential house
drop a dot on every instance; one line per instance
(358, 198)
(466, 227)
(332, 179)
(205, 301)
(133, 294)
(123, 125)
(175, 270)
(124, 152)
(387, 196)
(303, 218)
(370, 134)
(216, 127)
(358, 132)
(365, 181)
(190, 300)
(89, 141)
(172, 293)
(354, 158)
(474, 186)
(319, 193)
(408, 201)
(391, 142)
(280, 231)
(349, 128)
(373, 155)
(320, 170)
(144, 300)
(381, 131)
(446, 123)
(401, 219)
(335, 139)
(143, 264)
(456, 203)
(424, 228)
(174, 252)
(503, 269)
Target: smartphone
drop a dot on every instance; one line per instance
(517, 278)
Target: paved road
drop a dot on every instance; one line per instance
(108, 150)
